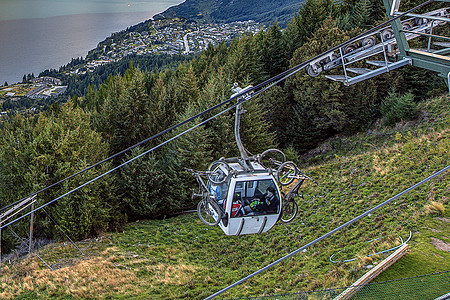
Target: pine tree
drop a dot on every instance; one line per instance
(377, 10)
(272, 50)
(186, 90)
(163, 106)
(359, 14)
(15, 156)
(149, 188)
(90, 99)
(278, 108)
(136, 107)
(127, 116)
(36, 154)
(321, 107)
(311, 16)
(65, 144)
(243, 62)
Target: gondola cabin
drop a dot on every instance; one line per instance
(250, 200)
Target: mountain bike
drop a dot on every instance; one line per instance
(208, 210)
(286, 174)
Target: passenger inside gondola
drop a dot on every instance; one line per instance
(266, 204)
(249, 200)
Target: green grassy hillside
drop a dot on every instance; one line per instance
(181, 258)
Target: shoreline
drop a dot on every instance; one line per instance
(77, 40)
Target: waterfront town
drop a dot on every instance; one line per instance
(162, 36)
(37, 88)
(170, 38)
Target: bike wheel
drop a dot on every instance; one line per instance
(209, 212)
(289, 211)
(286, 173)
(218, 172)
(272, 158)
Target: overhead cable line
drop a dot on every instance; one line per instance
(242, 100)
(125, 150)
(121, 165)
(330, 232)
(261, 87)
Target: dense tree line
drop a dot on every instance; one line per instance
(27, 78)
(79, 84)
(114, 113)
(23, 104)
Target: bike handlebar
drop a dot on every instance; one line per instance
(307, 177)
(304, 176)
(195, 172)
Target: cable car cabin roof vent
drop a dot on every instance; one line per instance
(238, 168)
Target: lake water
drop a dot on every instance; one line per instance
(41, 34)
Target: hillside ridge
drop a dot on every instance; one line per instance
(225, 11)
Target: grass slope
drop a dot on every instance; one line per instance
(181, 258)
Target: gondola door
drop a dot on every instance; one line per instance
(252, 206)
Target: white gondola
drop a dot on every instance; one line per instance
(241, 195)
(237, 194)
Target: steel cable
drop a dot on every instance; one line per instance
(121, 165)
(263, 86)
(330, 232)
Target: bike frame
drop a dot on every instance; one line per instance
(294, 190)
(202, 185)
